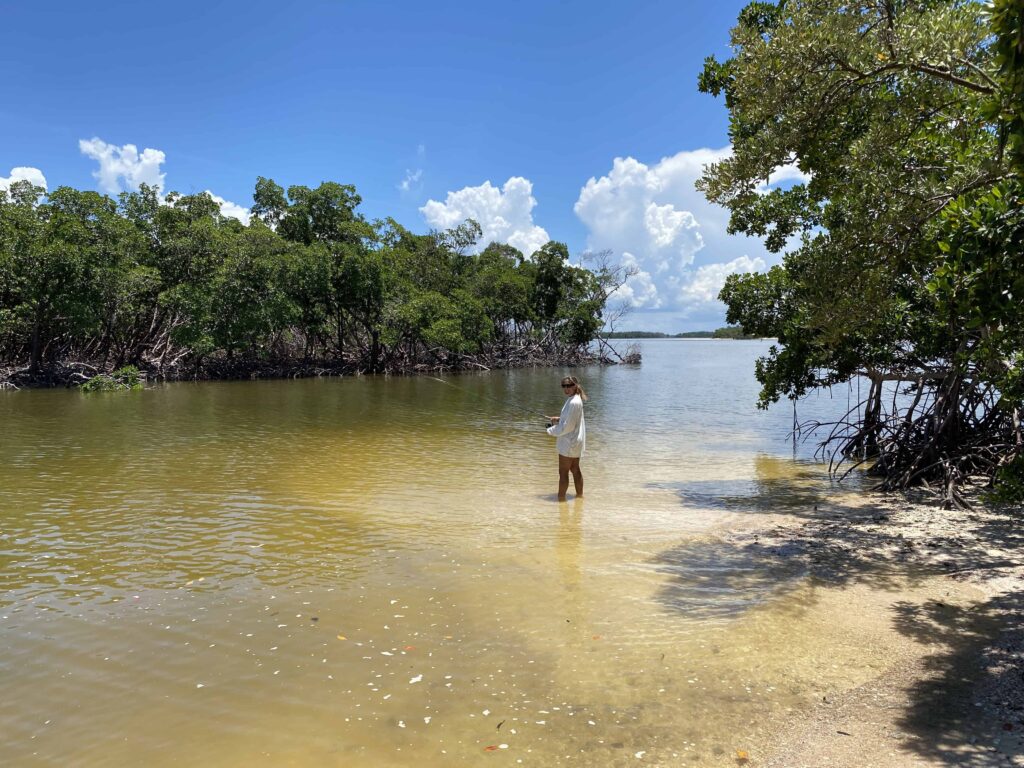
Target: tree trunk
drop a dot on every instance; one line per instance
(872, 416)
(374, 350)
(37, 344)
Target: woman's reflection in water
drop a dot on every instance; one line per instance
(567, 552)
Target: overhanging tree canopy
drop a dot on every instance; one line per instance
(903, 245)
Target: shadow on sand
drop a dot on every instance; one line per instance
(980, 660)
(979, 654)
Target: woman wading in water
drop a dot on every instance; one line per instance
(571, 431)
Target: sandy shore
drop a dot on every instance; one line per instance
(952, 584)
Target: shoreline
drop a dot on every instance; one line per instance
(950, 584)
(71, 376)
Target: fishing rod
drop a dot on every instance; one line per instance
(503, 403)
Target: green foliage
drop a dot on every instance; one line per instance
(123, 379)
(249, 302)
(903, 240)
(503, 283)
(326, 214)
(578, 316)
(171, 282)
(978, 281)
(549, 281)
(269, 202)
(1006, 107)
(731, 332)
(1009, 483)
(881, 105)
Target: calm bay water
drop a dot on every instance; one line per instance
(375, 571)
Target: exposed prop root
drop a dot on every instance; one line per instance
(169, 363)
(941, 433)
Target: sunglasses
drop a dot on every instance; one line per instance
(568, 386)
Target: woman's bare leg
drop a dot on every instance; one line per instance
(564, 466)
(577, 477)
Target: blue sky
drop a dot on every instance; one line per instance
(575, 121)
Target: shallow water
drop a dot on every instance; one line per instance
(374, 571)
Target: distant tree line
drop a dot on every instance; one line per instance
(90, 284)
(727, 332)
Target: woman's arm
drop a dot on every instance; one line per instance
(572, 418)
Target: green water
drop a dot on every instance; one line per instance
(374, 571)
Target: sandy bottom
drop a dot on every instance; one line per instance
(948, 588)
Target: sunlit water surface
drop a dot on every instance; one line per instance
(375, 571)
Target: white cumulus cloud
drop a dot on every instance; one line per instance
(639, 290)
(656, 222)
(647, 211)
(123, 168)
(233, 210)
(665, 225)
(505, 215)
(700, 287)
(23, 173)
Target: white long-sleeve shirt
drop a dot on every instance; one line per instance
(571, 430)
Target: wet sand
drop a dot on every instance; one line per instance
(949, 585)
